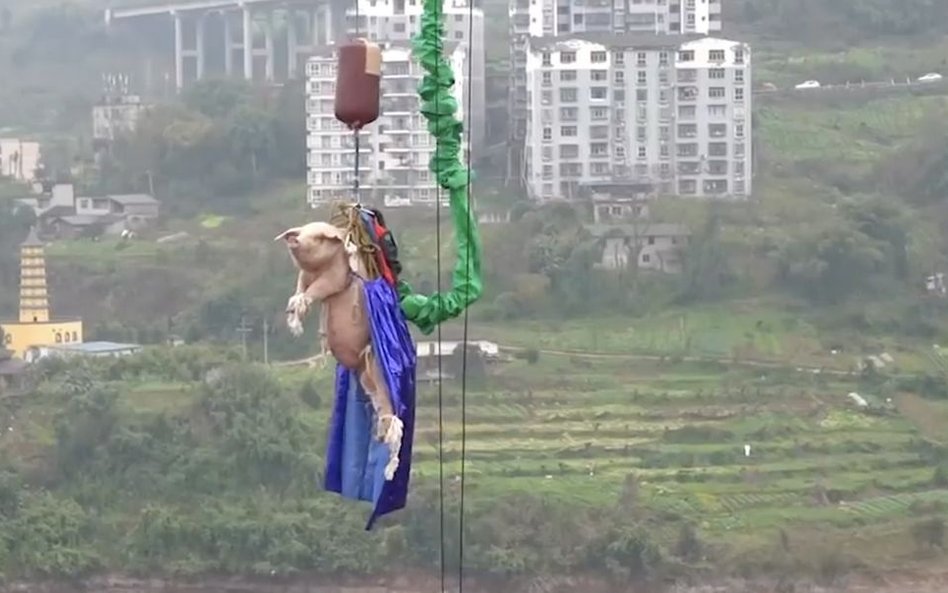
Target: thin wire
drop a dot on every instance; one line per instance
(357, 132)
(468, 115)
(440, 306)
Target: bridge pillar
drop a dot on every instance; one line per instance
(178, 51)
(248, 44)
(228, 44)
(268, 46)
(199, 49)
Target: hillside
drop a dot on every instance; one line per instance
(721, 423)
(635, 467)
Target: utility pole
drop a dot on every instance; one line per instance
(266, 342)
(244, 330)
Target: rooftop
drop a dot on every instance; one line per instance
(96, 347)
(134, 199)
(10, 367)
(624, 40)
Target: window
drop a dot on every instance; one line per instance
(643, 153)
(598, 113)
(568, 95)
(547, 171)
(717, 130)
(598, 93)
(547, 153)
(663, 133)
(663, 96)
(717, 149)
(738, 94)
(686, 111)
(663, 58)
(716, 73)
(567, 75)
(597, 57)
(716, 92)
(738, 56)
(717, 110)
(641, 133)
(547, 78)
(739, 130)
(687, 130)
(599, 149)
(567, 57)
(739, 76)
(547, 59)
(598, 132)
(547, 133)
(569, 151)
(599, 169)
(641, 58)
(619, 76)
(642, 77)
(618, 57)
(618, 95)
(686, 56)
(547, 97)
(716, 55)
(569, 113)
(568, 131)
(688, 150)
(687, 187)
(739, 149)
(715, 186)
(599, 75)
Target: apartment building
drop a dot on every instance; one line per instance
(400, 20)
(549, 18)
(394, 151)
(668, 110)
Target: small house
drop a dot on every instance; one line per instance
(644, 246)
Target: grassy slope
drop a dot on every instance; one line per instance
(576, 429)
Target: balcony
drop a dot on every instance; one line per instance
(687, 94)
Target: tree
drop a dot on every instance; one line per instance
(707, 270)
(929, 534)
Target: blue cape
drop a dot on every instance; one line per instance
(355, 461)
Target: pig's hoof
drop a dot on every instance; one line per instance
(298, 305)
(295, 324)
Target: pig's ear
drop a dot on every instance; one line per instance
(288, 235)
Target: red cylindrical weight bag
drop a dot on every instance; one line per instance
(358, 83)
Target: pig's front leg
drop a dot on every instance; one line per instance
(298, 306)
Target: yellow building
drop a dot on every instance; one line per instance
(35, 326)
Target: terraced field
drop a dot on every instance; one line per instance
(673, 436)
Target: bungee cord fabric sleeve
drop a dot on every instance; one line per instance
(439, 108)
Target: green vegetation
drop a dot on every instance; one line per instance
(613, 444)
(179, 462)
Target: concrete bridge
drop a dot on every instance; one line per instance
(246, 33)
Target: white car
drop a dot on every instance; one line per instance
(930, 77)
(809, 84)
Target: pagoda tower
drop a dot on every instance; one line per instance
(34, 298)
(35, 328)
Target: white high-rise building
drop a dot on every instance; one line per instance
(664, 110)
(395, 150)
(400, 20)
(550, 18)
